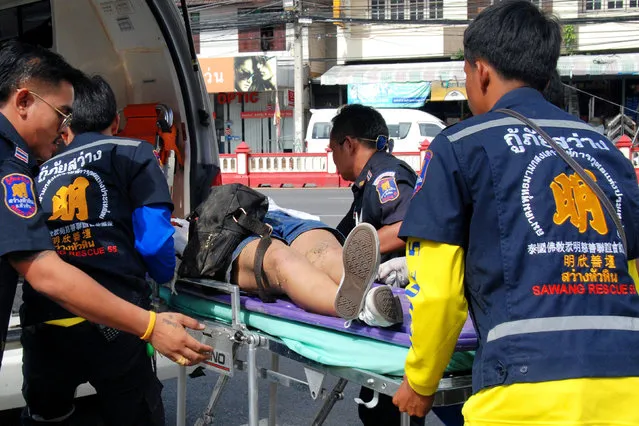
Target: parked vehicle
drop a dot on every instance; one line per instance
(408, 127)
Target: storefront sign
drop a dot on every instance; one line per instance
(389, 95)
(449, 90)
(239, 74)
(290, 97)
(265, 114)
(227, 98)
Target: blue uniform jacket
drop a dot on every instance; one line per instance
(546, 275)
(89, 194)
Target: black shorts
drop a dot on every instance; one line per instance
(57, 360)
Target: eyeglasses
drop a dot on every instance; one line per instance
(66, 118)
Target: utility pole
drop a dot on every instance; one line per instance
(298, 112)
(295, 6)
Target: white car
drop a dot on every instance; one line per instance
(408, 128)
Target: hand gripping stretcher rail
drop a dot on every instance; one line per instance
(367, 356)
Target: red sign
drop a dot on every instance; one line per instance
(227, 98)
(265, 114)
(291, 97)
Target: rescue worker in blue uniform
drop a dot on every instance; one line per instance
(382, 189)
(108, 210)
(36, 96)
(382, 183)
(503, 225)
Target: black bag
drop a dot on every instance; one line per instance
(229, 214)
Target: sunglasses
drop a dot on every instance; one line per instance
(66, 118)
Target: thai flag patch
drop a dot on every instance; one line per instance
(21, 155)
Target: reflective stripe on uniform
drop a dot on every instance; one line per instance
(540, 325)
(65, 322)
(510, 121)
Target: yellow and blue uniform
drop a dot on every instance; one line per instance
(503, 226)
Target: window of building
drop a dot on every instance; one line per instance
(610, 5)
(435, 9)
(30, 23)
(593, 5)
(378, 9)
(270, 36)
(414, 10)
(397, 9)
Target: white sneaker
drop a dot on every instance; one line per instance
(382, 308)
(361, 261)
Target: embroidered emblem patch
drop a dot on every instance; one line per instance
(428, 155)
(21, 155)
(386, 187)
(19, 195)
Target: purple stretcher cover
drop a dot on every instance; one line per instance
(285, 309)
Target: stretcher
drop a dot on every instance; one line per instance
(367, 356)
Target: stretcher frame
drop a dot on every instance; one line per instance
(452, 390)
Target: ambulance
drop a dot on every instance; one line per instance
(144, 49)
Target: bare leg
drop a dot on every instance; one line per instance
(322, 249)
(289, 272)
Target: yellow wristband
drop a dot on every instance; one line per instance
(150, 327)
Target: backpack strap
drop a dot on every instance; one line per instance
(263, 286)
(264, 231)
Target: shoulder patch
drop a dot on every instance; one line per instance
(19, 196)
(428, 155)
(386, 187)
(21, 155)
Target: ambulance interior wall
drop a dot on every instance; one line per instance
(132, 58)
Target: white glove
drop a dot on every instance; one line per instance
(393, 272)
(181, 236)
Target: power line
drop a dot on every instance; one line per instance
(599, 98)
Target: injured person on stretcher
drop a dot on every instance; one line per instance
(307, 262)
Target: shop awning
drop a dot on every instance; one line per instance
(393, 73)
(568, 66)
(599, 65)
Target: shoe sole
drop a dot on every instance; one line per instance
(361, 259)
(388, 306)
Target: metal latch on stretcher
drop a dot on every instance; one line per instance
(222, 340)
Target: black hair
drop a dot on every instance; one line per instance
(94, 107)
(21, 63)
(554, 91)
(358, 121)
(516, 38)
